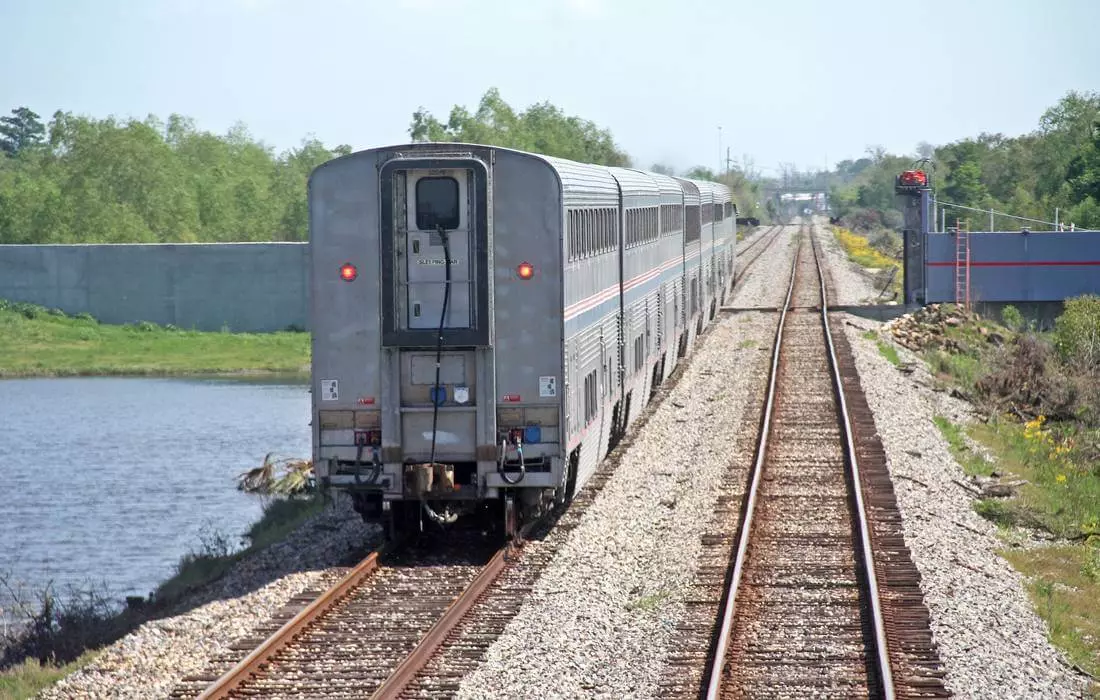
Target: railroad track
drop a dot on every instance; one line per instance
(364, 634)
(812, 594)
(743, 262)
(361, 633)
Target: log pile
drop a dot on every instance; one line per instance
(927, 328)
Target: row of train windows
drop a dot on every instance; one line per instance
(719, 212)
(641, 226)
(592, 231)
(595, 231)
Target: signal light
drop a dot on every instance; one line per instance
(348, 272)
(525, 270)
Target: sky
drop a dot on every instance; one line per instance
(803, 82)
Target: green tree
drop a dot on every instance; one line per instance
(541, 128)
(23, 130)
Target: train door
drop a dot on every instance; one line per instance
(438, 222)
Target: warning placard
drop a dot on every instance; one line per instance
(330, 390)
(548, 387)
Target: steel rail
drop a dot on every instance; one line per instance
(715, 683)
(853, 465)
(249, 665)
(419, 657)
(769, 236)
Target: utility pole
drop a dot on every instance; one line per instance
(719, 151)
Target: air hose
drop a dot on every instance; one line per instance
(376, 466)
(436, 398)
(522, 467)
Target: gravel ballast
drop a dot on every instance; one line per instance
(598, 620)
(765, 282)
(149, 661)
(852, 284)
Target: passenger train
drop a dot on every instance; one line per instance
(488, 323)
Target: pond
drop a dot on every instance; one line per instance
(109, 481)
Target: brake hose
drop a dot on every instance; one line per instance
(439, 347)
(503, 455)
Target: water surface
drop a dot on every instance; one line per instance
(110, 481)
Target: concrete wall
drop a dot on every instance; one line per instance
(1016, 267)
(245, 286)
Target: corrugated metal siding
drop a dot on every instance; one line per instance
(638, 188)
(721, 193)
(671, 192)
(585, 185)
(706, 191)
(691, 191)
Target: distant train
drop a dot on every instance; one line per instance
(487, 323)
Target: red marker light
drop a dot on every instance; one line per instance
(348, 272)
(525, 270)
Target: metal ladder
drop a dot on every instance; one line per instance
(962, 263)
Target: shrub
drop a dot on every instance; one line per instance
(1012, 318)
(1028, 382)
(1077, 332)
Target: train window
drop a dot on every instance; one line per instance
(572, 223)
(589, 234)
(691, 223)
(436, 203)
(601, 226)
(590, 398)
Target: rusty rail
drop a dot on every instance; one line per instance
(884, 665)
(249, 665)
(415, 662)
(882, 660)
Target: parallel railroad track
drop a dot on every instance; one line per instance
(359, 634)
(366, 635)
(785, 567)
(744, 262)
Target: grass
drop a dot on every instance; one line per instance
(885, 349)
(860, 251)
(1061, 496)
(71, 633)
(30, 677)
(1064, 586)
(215, 556)
(971, 462)
(38, 342)
(647, 603)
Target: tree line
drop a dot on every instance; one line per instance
(78, 179)
(1054, 167)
